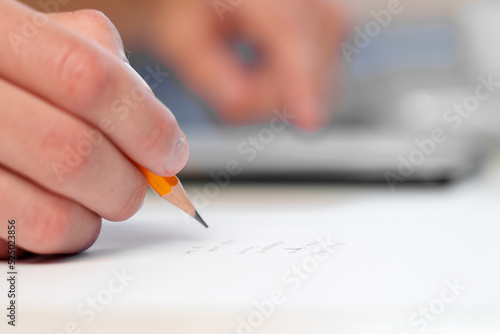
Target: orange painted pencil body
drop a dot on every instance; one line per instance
(171, 189)
(162, 185)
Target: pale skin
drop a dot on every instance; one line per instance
(85, 63)
(60, 84)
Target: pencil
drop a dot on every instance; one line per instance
(170, 188)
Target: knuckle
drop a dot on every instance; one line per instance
(84, 76)
(101, 24)
(156, 136)
(152, 140)
(95, 17)
(67, 149)
(131, 203)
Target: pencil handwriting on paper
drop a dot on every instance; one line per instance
(243, 247)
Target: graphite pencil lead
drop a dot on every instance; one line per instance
(198, 218)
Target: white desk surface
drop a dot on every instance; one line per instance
(396, 251)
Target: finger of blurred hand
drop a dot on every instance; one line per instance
(299, 46)
(335, 17)
(66, 156)
(71, 72)
(198, 49)
(45, 223)
(297, 39)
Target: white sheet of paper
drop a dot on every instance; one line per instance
(368, 260)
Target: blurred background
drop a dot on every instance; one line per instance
(401, 87)
(408, 78)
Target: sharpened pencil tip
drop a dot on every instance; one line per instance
(198, 218)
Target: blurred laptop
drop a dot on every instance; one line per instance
(400, 87)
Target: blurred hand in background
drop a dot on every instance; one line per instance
(293, 46)
(294, 43)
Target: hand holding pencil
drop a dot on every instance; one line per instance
(73, 115)
(74, 118)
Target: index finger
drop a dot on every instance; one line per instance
(83, 78)
(291, 36)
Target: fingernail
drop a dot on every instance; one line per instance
(178, 158)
